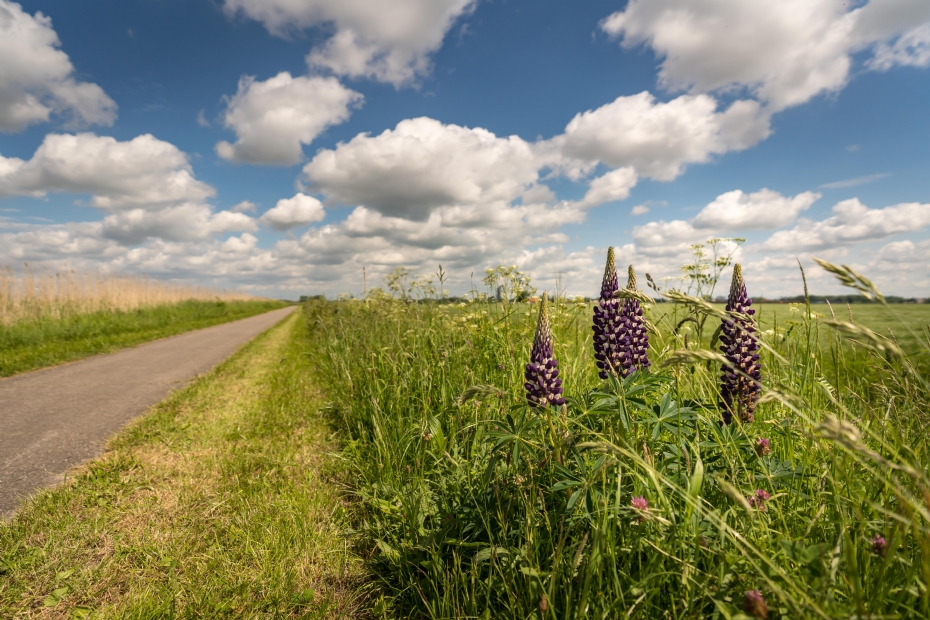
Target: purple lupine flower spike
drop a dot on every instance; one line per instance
(634, 339)
(543, 386)
(607, 322)
(740, 390)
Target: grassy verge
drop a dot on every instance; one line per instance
(31, 344)
(220, 502)
(474, 505)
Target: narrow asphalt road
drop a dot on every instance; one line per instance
(54, 419)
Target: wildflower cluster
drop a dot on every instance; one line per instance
(621, 342)
(621, 345)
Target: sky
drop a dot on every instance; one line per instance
(284, 146)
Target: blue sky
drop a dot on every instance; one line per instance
(282, 145)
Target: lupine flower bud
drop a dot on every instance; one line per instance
(740, 390)
(754, 605)
(608, 322)
(543, 386)
(879, 544)
(763, 447)
(634, 340)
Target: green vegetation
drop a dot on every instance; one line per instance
(220, 503)
(451, 498)
(905, 324)
(36, 343)
(474, 505)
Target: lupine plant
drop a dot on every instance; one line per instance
(631, 500)
(543, 386)
(608, 323)
(621, 341)
(739, 344)
(634, 337)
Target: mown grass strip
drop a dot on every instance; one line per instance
(220, 502)
(32, 344)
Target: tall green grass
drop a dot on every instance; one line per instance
(36, 343)
(474, 506)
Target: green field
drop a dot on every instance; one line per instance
(31, 344)
(906, 324)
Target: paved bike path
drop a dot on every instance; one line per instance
(54, 419)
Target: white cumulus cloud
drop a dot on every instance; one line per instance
(731, 212)
(658, 139)
(851, 222)
(37, 78)
(246, 206)
(293, 212)
(784, 52)
(762, 210)
(145, 185)
(143, 171)
(614, 185)
(274, 118)
(911, 49)
(388, 40)
(421, 165)
(242, 244)
(188, 222)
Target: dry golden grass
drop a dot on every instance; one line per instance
(32, 294)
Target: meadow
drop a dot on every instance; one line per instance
(632, 500)
(48, 318)
(378, 457)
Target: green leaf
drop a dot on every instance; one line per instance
(390, 552)
(56, 596)
(488, 552)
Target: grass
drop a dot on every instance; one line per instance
(452, 499)
(222, 502)
(472, 505)
(36, 343)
